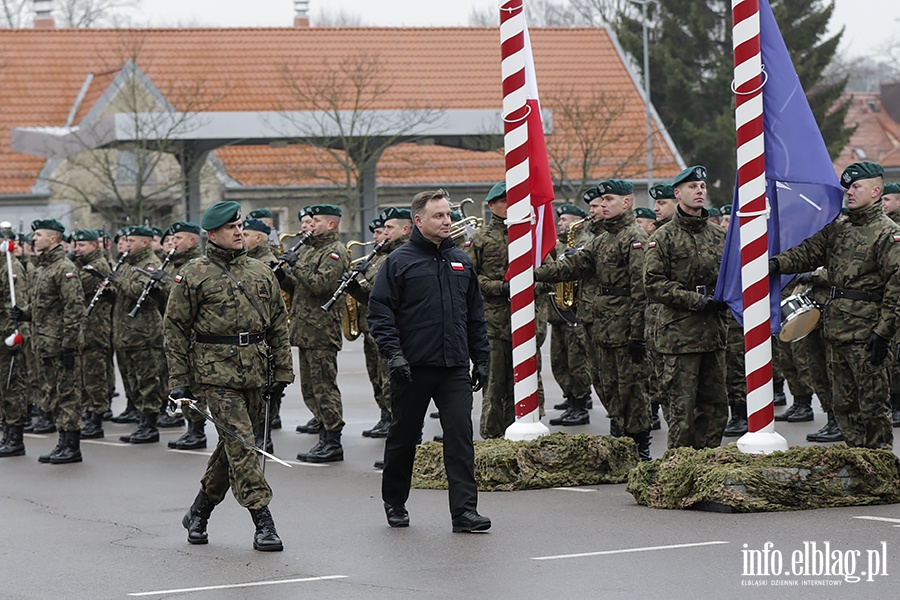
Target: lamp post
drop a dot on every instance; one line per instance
(644, 4)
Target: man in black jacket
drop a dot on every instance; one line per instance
(426, 314)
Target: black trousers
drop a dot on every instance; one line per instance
(451, 389)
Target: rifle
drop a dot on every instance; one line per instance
(104, 284)
(150, 285)
(351, 276)
(303, 239)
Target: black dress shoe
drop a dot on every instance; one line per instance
(470, 521)
(397, 516)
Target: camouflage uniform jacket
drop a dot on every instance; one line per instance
(651, 313)
(21, 283)
(98, 326)
(179, 259)
(894, 216)
(588, 288)
(57, 304)
(861, 253)
(263, 253)
(205, 301)
(145, 328)
(317, 275)
(614, 262)
(684, 255)
(488, 251)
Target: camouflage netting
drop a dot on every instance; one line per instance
(553, 460)
(800, 478)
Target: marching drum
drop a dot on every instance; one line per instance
(799, 316)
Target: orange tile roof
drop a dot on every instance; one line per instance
(243, 70)
(877, 134)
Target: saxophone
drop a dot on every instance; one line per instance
(351, 325)
(566, 293)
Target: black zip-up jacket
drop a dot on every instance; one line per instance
(426, 303)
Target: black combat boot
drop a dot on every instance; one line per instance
(311, 426)
(258, 439)
(829, 433)
(129, 415)
(275, 423)
(579, 414)
(642, 440)
(266, 538)
(381, 428)
(44, 423)
(895, 410)
(197, 517)
(93, 429)
(146, 433)
(5, 435)
(737, 425)
(303, 456)
(14, 444)
(195, 437)
(164, 420)
(71, 448)
(45, 458)
(330, 451)
(655, 423)
(567, 407)
(804, 411)
(778, 394)
(564, 405)
(614, 429)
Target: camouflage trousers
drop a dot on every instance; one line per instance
(63, 389)
(232, 464)
(694, 387)
(13, 399)
(110, 373)
(318, 384)
(95, 385)
(805, 367)
(593, 360)
(860, 397)
(379, 375)
(625, 390)
(498, 405)
(143, 372)
(654, 359)
(567, 360)
(735, 378)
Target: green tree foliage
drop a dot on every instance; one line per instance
(691, 71)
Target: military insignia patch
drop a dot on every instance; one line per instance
(150, 269)
(334, 255)
(897, 238)
(16, 277)
(457, 266)
(70, 275)
(178, 278)
(651, 245)
(468, 243)
(637, 245)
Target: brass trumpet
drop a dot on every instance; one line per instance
(461, 230)
(566, 293)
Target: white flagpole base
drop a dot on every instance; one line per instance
(761, 442)
(522, 431)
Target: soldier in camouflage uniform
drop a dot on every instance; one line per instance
(138, 340)
(891, 201)
(615, 260)
(317, 272)
(862, 256)
(130, 414)
(680, 272)
(488, 251)
(224, 317)
(92, 270)
(568, 340)
(13, 370)
(37, 403)
(56, 303)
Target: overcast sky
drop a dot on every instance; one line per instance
(869, 23)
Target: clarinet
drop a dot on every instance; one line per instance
(303, 239)
(104, 284)
(150, 285)
(353, 275)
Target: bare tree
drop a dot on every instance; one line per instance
(69, 13)
(603, 12)
(339, 18)
(15, 12)
(538, 13)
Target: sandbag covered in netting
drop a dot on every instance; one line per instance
(800, 478)
(553, 460)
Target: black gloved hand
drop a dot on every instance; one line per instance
(774, 267)
(570, 252)
(361, 267)
(274, 391)
(638, 350)
(67, 355)
(804, 278)
(479, 376)
(112, 276)
(710, 304)
(182, 392)
(399, 367)
(504, 290)
(17, 314)
(157, 275)
(290, 257)
(879, 347)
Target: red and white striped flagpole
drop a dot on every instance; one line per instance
(519, 221)
(749, 79)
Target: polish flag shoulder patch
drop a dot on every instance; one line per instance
(897, 238)
(468, 243)
(651, 244)
(457, 266)
(334, 255)
(70, 275)
(637, 245)
(15, 277)
(178, 278)
(151, 268)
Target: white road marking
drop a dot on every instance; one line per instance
(885, 519)
(572, 489)
(36, 436)
(628, 550)
(113, 444)
(291, 462)
(237, 585)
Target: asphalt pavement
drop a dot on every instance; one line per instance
(110, 527)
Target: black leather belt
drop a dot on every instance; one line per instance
(614, 291)
(854, 295)
(241, 339)
(705, 290)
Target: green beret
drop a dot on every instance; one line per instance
(140, 231)
(157, 231)
(497, 192)
(84, 235)
(714, 212)
(219, 214)
(260, 213)
(184, 227)
(725, 210)
(695, 173)
(642, 212)
(303, 212)
(120, 232)
(166, 234)
(891, 188)
(52, 224)
(324, 209)
(860, 170)
(67, 238)
(571, 209)
(392, 212)
(618, 187)
(375, 223)
(455, 216)
(257, 225)
(591, 193)
(102, 234)
(663, 191)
